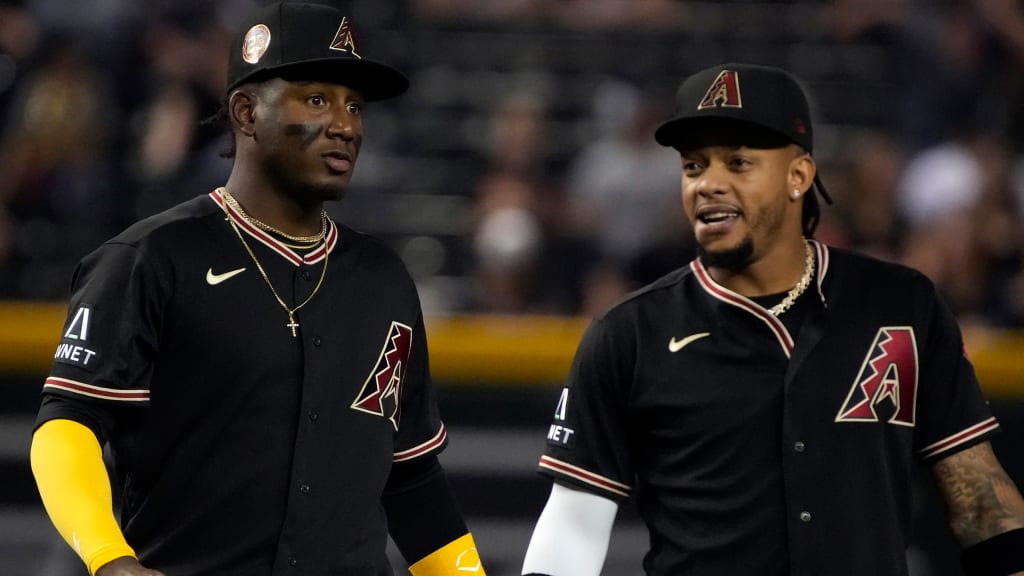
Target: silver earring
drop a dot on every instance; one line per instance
(796, 194)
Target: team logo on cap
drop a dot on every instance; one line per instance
(255, 44)
(343, 39)
(723, 93)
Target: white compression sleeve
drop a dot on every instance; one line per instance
(572, 533)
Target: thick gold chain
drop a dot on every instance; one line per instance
(290, 311)
(802, 285)
(312, 239)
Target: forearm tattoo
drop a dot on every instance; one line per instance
(982, 500)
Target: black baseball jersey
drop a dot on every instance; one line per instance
(240, 448)
(751, 452)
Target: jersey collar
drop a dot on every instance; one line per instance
(731, 298)
(276, 245)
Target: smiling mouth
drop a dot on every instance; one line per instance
(717, 216)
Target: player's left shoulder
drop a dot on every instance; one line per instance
(854, 271)
(368, 250)
(373, 259)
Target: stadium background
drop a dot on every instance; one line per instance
(519, 181)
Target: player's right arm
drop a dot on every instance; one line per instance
(67, 462)
(985, 509)
(587, 455)
(571, 536)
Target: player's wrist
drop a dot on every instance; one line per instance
(457, 557)
(999, 555)
(126, 566)
(100, 562)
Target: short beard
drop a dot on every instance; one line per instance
(312, 195)
(734, 259)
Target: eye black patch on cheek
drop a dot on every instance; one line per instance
(307, 132)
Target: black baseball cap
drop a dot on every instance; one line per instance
(763, 106)
(308, 41)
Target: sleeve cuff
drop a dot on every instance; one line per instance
(104, 556)
(457, 557)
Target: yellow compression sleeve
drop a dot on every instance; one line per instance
(458, 557)
(67, 462)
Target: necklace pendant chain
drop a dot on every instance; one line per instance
(800, 287)
(305, 241)
(292, 324)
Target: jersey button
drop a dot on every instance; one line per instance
(305, 490)
(306, 275)
(293, 562)
(317, 341)
(805, 516)
(799, 446)
(313, 415)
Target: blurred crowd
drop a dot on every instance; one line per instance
(569, 203)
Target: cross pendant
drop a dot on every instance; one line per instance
(292, 324)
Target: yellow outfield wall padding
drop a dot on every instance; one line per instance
(29, 333)
(486, 349)
(998, 357)
(503, 349)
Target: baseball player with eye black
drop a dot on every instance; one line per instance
(766, 405)
(258, 371)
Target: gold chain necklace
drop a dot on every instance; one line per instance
(312, 239)
(797, 290)
(291, 311)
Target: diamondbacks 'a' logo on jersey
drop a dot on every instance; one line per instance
(344, 40)
(889, 373)
(723, 93)
(382, 392)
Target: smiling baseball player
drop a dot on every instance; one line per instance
(766, 405)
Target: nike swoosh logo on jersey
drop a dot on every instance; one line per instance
(214, 279)
(677, 345)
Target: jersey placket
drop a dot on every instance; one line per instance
(303, 496)
(303, 274)
(796, 454)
